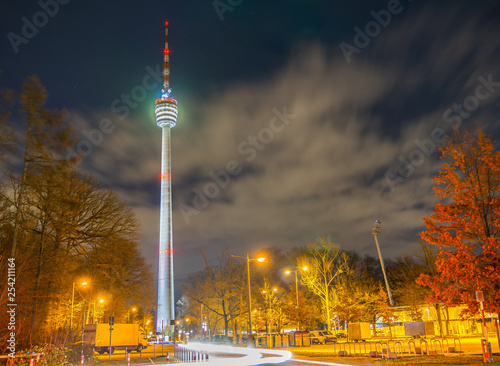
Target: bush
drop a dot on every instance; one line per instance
(50, 355)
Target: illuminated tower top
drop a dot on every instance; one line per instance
(166, 106)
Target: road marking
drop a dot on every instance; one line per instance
(242, 356)
(321, 362)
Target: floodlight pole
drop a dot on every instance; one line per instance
(249, 332)
(375, 232)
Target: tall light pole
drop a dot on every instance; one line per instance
(375, 232)
(73, 301)
(261, 259)
(296, 290)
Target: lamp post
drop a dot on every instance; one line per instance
(296, 290)
(270, 313)
(73, 301)
(375, 232)
(249, 331)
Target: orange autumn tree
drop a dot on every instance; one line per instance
(465, 224)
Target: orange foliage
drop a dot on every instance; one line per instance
(465, 224)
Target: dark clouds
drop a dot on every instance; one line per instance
(336, 166)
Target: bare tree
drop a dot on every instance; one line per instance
(325, 264)
(217, 287)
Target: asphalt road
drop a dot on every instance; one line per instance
(119, 358)
(468, 345)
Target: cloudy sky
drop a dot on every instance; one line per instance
(297, 118)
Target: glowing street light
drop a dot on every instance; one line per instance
(101, 301)
(260, 259)
(133, 310)
(73, 301)
(297, 289)
(269, 298)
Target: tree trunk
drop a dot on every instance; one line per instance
(37, 282)
(440, 324)
(21, 190)
(498, 333)
(240, 333)
(234, 332)
(447, 320)
(226, 327)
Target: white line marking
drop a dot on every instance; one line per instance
(321, 362)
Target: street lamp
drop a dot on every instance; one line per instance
(296, 290)
(375, 232)
(93, 302)
(261, 259)
(73, 301)
(133, 310)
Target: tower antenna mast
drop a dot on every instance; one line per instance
(166, 63)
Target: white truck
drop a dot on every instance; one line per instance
(123, 336)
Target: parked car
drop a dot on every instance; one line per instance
(322, 337)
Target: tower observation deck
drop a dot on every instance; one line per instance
(166, 118)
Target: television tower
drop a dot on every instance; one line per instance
(166, 118)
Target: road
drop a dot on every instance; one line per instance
(119, 358)
(149, 357)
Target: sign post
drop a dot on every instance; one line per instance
(111, 323)
(83, 332)
(486, 346)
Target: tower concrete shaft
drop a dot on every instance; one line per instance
(166, 310)
(166, 118)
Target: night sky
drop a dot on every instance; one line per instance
(297, 118)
